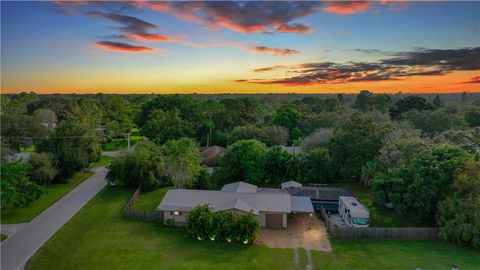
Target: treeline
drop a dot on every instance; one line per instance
(419, 154)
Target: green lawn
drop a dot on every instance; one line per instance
(121, 143)
(2, 237)
(28, 149)
(104, 160)
(379, 215)
(148, 201)
(98, 237)
(54, 193)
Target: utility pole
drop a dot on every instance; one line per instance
(128, 139)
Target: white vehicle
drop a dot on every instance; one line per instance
(352, 212)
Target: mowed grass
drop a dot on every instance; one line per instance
(98, 237)
(104, 160)
(53, 194)
(379, 216)
(148, 201)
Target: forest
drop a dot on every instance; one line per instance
(418, 154)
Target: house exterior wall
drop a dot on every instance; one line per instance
(181, 219)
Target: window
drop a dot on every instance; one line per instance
(360, 221)
(176, 213)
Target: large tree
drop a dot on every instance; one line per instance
(144, 166)
(182, 162)
(243, 161)
(407, 104)
(277, 163)
(163, 126)
(354, 143)
(458, 214)
(415, 190)
(74, 145)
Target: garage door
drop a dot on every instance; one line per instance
(273, 220)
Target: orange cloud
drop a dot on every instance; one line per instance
(270, 68)
(122, 47)
(299, 28)
(274, 51)
(475, 79)
(347, 7)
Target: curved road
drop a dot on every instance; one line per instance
(18, 248)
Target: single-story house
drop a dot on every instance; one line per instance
(321, 196)
(211, 154)
(270, 206)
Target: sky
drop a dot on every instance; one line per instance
(240, 47)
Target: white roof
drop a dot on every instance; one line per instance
(356, 208)
(290, 184)
(301, 204)
(187, 199)
(240, 187)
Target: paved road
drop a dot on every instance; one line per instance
(17, 249)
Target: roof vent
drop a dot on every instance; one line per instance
(354, 203)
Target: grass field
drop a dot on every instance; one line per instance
(54, 193)
(98, 237)
(148, 201)
(379, 216)
(104, 160)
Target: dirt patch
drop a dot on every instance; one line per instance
(302, 232)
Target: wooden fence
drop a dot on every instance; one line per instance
(407, 233)
(128, 212)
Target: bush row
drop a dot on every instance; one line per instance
(203, 224)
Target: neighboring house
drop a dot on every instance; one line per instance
(49, 125)
(270, 206)
(321, 196)
(352, 212)
(210, 155)
(22, 156)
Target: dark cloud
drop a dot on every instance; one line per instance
(406, 64)
(243, 16)
(122, 47)
(460, 59)
(131, 25)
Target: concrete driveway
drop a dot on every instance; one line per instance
(24, 242)
(302, 232)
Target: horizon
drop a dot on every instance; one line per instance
(132, 47)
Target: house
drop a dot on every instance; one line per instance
(321, 196)
(352, 212)
(270, 206)
(211, 154)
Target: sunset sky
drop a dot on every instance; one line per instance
(240, 47)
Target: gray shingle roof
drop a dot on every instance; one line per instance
(301, 204)
(240, 187)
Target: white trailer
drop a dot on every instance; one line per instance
(352, 212)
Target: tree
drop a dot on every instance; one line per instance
(142, 167)
(182, 162)
(437, 102)
(163, 126)
(407, 104)
(364, 101)
(43, 168)
(397, 152)
(467, 140)
(46, 117)
(287, 117)
(118, 115)
(74, 145)
(16, 189)
(416, 189)
(243, 161)
(457, 215)
(247, 132)
(473, 117)
(211, 108)
(314, 166)
(319, 138)
(276, 135)
(430, 122)
(354, 143)
(277, 162)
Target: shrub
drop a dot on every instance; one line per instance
(203, 224)
(319, 138)
(43, 168)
